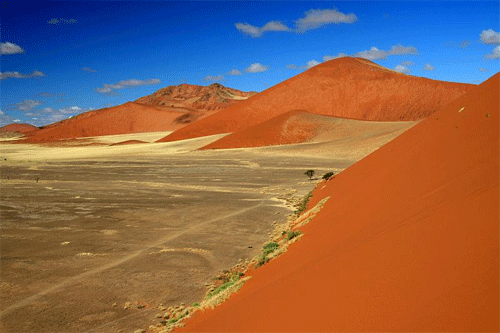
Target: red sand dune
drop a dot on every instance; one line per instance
(128, 142)
(19, 128)
(347, 87)
(291, 127)
(300, 126)
(122, 119)
(167, 109)
(408, 241)
(201, 98)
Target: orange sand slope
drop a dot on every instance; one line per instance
(408, 241)
(346, 87)
(122, 119)
(19, 128)
(300, 126)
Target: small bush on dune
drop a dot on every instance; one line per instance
(292, 234)
(303, 205)
(327, 175)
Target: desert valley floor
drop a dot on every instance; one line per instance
(146, 223)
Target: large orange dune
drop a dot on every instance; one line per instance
(346, 87)
(300, 126)
(167, 109)
(408, 240)
(127, 118)
(19, 128)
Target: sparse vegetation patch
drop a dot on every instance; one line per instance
(328, 175)
(303, 205)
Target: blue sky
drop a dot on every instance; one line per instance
(61, 58)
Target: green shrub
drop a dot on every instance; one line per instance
(309, 173)
(195, 304)
(269, 248)
(303, 205)
(292, 234)
(224, 286)
(327, 175)
(172, 321)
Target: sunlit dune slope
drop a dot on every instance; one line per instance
(122, 119)
(19, 128)
(408, 240)
(300, 126)
(345, 87)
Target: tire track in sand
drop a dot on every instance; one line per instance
(80, 277)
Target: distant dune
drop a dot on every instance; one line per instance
(408, 241)
(347, 87)
(167, 109)
(18, 128)
(200, 98)
(300, 126)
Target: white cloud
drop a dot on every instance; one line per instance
(87, 69)
(400, 49)
(27, 105)
(108, 88)
(407, 63)
(402, 69)
(375, 54)
(64, 21)
(257, 32)
(10, 48)
(291, 66)
(481, 69)
(50, 115)
(249, 29)
(495, 54)
(5, 118)
(428, 67)
(372, 54)
(316, 18)
(212, 78)
(313, 19)
(17, 75)
(256, 68)
(16, 120)
(311, 64)
(235, 72)
(490, 36)
(274, 26)
(329, 57)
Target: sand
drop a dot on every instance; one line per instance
(346, 87)
(300, 126)
(408, 241)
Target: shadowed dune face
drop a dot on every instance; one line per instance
(300, 126)
(346, 87)
(408, 241)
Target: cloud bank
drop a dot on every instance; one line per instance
(109, 88)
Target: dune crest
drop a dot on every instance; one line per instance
(408, 241)
(168, 109)
(345, 87)
(19, 128)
